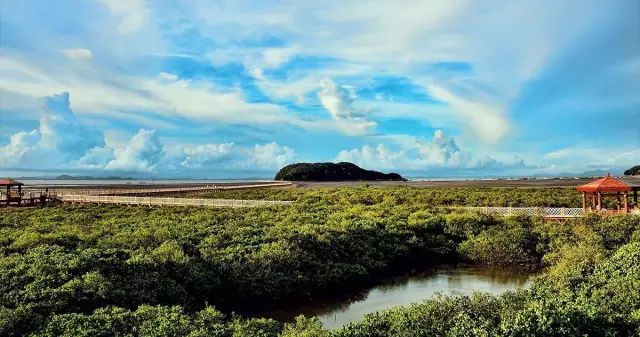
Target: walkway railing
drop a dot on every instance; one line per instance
(155, 201)
(126, 196)
(547, 212)
(129, 191)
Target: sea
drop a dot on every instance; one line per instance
(142, 182)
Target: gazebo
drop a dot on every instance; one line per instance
(9, 197)
(610, 187)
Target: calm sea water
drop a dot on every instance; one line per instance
(142, 182)
(402, 291)
(38, 182)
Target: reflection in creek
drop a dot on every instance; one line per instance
(448, 280)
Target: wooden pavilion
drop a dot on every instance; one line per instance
(608, 187)
(11, 195)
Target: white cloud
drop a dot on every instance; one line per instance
(20, 144)
(487, 119)
(168, 76)
(207, 155)
(344, 42)
(379, 157)
(270, 156)
(145, 153)
(60, 137)
(290, 89)
(578, 159)
(107, 94)
(142, 154)
(132, 14)
(96, 158)
(274, 57)
(523, 39)
(230, 156)
(440, 154)
(67, 143)
(338, 101)
(61, 130)
(257, 73)
(82, 54)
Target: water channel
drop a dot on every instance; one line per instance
(402, 291)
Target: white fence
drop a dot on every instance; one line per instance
(155, 201)
(547, 212)
(126, 191)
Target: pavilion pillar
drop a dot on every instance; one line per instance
(618, 200)
(584, 201)
(626, 203)
(593, 202)
(599, 201)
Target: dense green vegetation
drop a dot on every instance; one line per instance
(138, 271)
(408, 196)
(634, 171)
(331, 172)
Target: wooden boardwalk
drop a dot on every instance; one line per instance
(140, 196)
(158, 190)
(157, 201)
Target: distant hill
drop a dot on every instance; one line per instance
(331, 172)
(634, 171)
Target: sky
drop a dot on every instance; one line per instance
(237, 89)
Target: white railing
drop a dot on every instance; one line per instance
(126, 191)
(155, 201)
(547, 212)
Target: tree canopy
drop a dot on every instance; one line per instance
(331, 172)
(634, 171)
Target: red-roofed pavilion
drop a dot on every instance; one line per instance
(8, 183)
(605, 187)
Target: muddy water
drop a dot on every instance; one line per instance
(400, 291)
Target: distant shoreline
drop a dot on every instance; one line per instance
(481, 182)
(540, 182)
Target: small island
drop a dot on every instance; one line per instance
(332, 172)
(634, 171)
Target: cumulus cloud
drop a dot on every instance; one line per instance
(270, 156)
(440, 154)
(229, 157)
(60, 129)
(504, 80)
(96, 158)
(20, 144)
(338, 101)
(207, 155)
(60, 137)
(62, 141)
(78, 54)
(142, 153)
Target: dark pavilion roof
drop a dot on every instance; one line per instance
(606, 184)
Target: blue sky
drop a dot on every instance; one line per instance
(238, 89)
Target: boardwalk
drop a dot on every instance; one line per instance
(132, 196)
(159, 190)
(156, 201)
